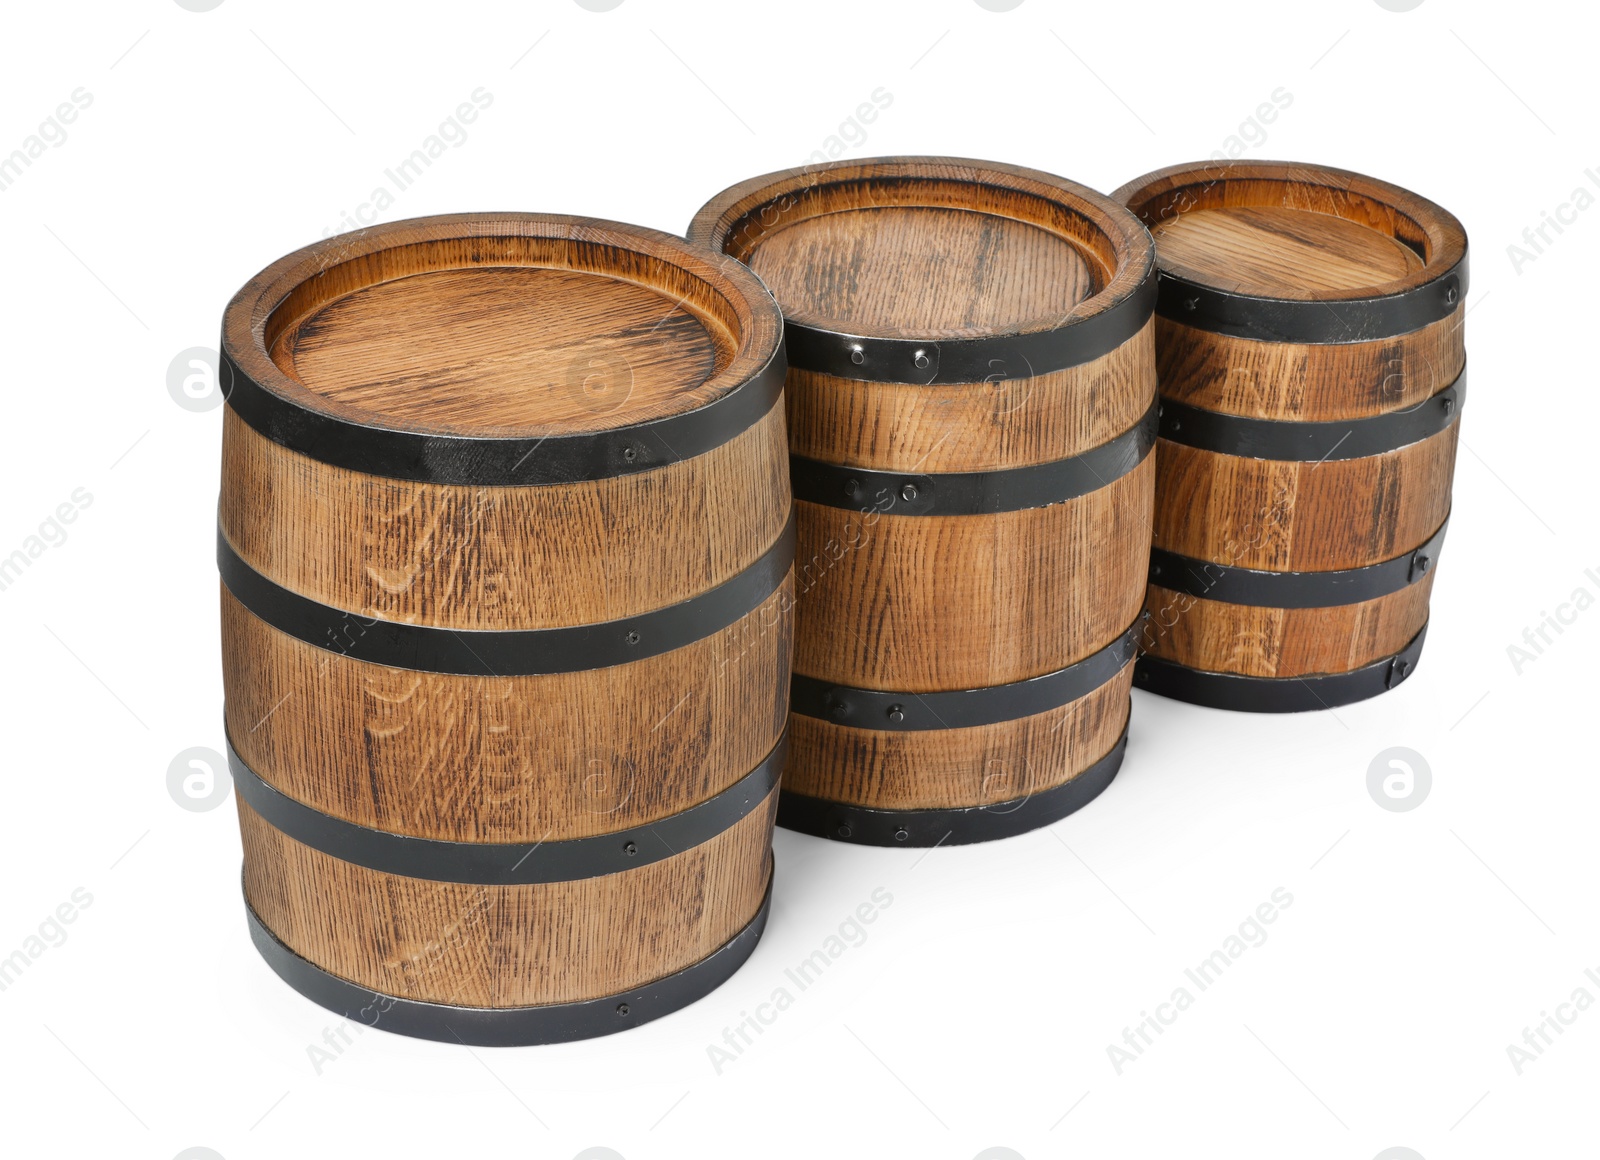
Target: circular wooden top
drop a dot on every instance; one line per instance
(502, 325)
(929, 247)
(1300, 232)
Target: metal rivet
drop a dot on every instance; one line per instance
(1451, 293)
(908, 492)
(622, 1009)
(1191, 304)
(843, 831)
(897, 712)
(901, 835)
(1449, 404)
(839, 710)
(632, 638)
(1177, 426)
(920, 360)
(851, 486)
(629, 454)
(857, 355)
(1423, 564)
(629, 849)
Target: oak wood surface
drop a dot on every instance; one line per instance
(1309, 233)
(496, 325)
(940, 248)
(1268, 250)
(507, 946)
(924, 603)
(507, 759)
(972, 271)
(491, 349)
(504, 557)
(956, 768)
(1282, 642)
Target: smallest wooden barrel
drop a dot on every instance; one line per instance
(1312, 370)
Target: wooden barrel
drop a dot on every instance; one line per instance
(971, 401)
(1312, 366)
(506, 544)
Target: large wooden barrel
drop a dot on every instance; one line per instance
(506, 543)
(971, 400)
(1312, 366)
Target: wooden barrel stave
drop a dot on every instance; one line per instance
(642, 597)
(893, 597)
(1298, 239)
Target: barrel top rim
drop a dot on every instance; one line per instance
(1127, 237)
(1446, 237)
(751, 315)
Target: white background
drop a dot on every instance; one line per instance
(978, 1012)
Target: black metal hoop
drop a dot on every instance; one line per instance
(1312, 442)
(510, 1026)
(1311, 321)
(508, 653)
(502, 462)
(970, 493)
(1276, 694)
(962, 708)
(1211, 581)
(988, 358)
(508, 863)
(957, 827)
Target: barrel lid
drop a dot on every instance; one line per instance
(937, 269)
(502, 348)
(1288, 252)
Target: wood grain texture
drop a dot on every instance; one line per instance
(936, 248)
(506, 303)
(742, 219)
(1270, 249)
(1310, 233)
(1310, 382)
(503, 325)
(924, 603)
(1283, 642)
(503, 557)
(507, 759)
(1310, 193)
(1285, 516)
(507, 946)
(973, 271)
(956, 768)
(971, 427)
(498, 348)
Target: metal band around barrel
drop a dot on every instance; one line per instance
(971, 493)
(1276, 694)
(509, 863)
(1316, 442)
(956, 827)
(508, 653)
(510, 1026)
(520, 461)
(961, 708)
(1212, 581)
(971, 360)
(1311, 321)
